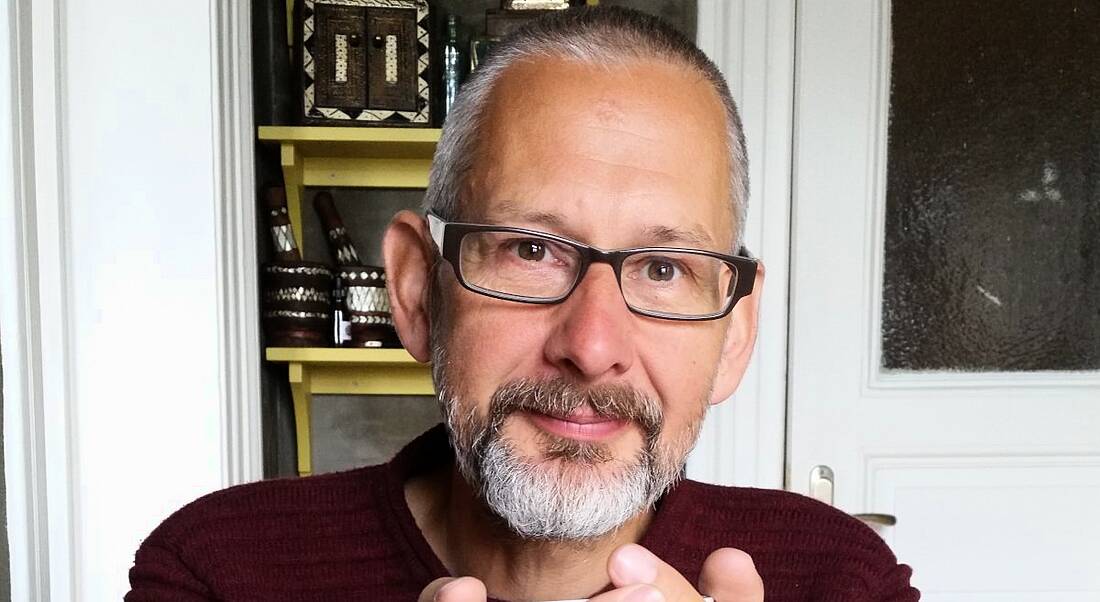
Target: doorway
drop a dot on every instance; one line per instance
(945, 307)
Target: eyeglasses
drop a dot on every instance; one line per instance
(528, 266)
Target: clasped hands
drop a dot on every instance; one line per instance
(637, 575)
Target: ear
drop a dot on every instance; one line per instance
(740, 338)
(409, 255)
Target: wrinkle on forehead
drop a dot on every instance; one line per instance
(511, 213)
(622, 132)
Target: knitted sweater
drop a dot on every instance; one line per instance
(351, 536)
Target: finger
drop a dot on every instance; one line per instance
(641, 592)
(450, 589)
(632, 564)
(729, 575)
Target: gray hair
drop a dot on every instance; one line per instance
(599, 35)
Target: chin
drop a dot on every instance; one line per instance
(559, 498)
(560, 462)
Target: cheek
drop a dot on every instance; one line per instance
(680, 355)
(682, 365)
(491, 343)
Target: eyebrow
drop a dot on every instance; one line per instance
(542, 218)
(651, 235)
(664, 235)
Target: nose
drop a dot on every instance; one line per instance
(594, 335)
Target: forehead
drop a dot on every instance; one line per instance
(605, 153)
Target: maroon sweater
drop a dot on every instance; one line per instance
(350, 536)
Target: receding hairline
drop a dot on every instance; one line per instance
(601, 37)
(675, 64)
(495, 97)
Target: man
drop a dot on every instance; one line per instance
(576, 285)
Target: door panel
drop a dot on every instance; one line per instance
(988, 496)
(993, 128)
(944, 301)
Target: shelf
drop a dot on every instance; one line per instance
(348, 134)
(378, 143)
(355, 371)
(318, 370)
(343, 355)
(360, 157)
(357, 157)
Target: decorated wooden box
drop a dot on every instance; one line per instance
(364, 62)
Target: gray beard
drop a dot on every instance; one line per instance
(558, 501)
(577, 490)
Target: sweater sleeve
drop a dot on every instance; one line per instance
(159, 574)
(894, 586)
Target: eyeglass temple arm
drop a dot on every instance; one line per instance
(742, 287)
(436, 226)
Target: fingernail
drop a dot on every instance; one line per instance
(633, 564)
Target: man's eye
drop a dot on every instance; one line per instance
(531, 250)
(661, 271)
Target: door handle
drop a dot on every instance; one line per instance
(823, 486)
(875, 518)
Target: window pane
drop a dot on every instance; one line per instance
(992, 257)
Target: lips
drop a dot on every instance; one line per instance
(582, 424)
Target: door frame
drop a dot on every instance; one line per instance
(41, 469)
(743, 441)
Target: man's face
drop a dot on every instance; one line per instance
(629, 156)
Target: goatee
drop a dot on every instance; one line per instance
(574, 490)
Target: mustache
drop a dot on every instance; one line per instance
(560, 397)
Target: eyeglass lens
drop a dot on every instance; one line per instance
(666, 282)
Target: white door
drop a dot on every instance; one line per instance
(975, 419)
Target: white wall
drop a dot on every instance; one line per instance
(140, 154)
(112, 252)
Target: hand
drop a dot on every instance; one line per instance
(728, 575)
(451, 589)
(469, 589)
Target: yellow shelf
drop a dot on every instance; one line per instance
(379, 143)
(359, 157)
(348, 134)
(345, 371)
(342, 355)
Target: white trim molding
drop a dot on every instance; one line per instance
(35, 321)
(752, 42)
(235, 214)
(128, 268)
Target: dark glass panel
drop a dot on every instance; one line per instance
(993, 187)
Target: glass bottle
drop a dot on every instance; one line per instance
(340, 322)
(452, 65)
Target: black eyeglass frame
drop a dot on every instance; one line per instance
(448, 236)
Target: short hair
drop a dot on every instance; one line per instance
(599, 35)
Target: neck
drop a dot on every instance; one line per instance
(471, 541)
